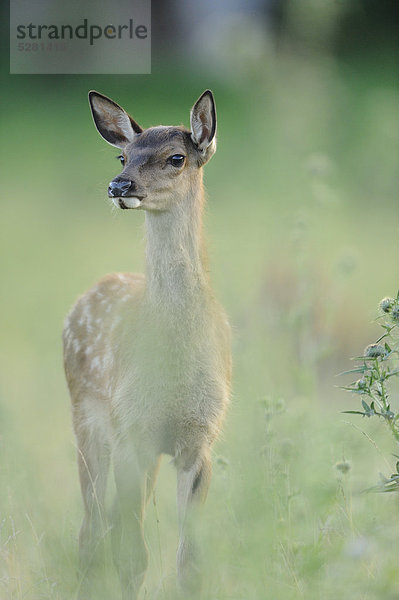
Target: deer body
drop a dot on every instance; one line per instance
(147, 359)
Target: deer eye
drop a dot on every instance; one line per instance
(177, 160)
(122, 159)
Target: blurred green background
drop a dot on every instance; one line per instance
(302, 222)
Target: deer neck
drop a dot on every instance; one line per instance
(177, 276)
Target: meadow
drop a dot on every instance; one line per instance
(302, 226)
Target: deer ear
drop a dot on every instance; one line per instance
(203, 123)
(112, 122)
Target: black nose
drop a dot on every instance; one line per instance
(119, 188)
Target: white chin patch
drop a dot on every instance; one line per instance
(127, 202)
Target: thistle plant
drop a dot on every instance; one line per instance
(376, 367)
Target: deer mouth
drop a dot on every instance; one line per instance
(126, 202)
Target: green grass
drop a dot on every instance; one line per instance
(302, 223)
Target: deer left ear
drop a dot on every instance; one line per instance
(203, 124)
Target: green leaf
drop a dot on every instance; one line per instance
(348, 388)
(365, 406)
(384, 335)
(353, 412)
(383, 479)
(386, 485)
(361, 369)
(388, 415)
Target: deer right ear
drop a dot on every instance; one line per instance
(203, 125)
(203, 121)
(111, 121)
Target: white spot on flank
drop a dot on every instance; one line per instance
(76, 346)
(87, 317)
(116, 322)
(107, 361)
(95, 363)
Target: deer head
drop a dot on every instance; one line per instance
(160, 164)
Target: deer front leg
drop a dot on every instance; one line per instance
(193, 479)
(130, 550)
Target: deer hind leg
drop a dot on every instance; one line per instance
(134, 480)
(193, 479)
(93, 464)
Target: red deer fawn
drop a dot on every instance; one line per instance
(147, 359)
